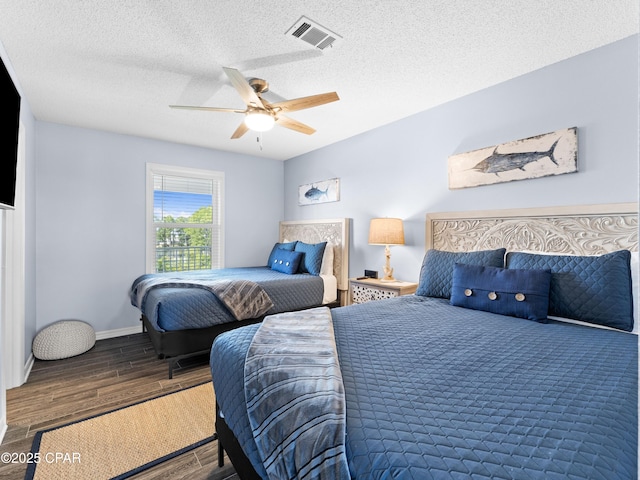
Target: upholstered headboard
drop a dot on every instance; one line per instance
(335, 232)
(577, 230)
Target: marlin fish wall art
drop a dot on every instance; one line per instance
(552, 153)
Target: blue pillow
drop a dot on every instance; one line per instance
(594, 289)
(437, 269)
(286, 261)
(311, 258)
(282, 246)
(518, 293)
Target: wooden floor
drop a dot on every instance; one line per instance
(115, 373)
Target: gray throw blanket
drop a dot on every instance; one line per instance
(244, 299)
(295, 397)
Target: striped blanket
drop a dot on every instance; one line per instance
(244, 299)
(295, 397)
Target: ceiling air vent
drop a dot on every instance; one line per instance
(313, 33)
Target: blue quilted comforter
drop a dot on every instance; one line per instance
(436, 391)
(179, 308)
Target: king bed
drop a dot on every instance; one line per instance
(516, 358)
(184, 311)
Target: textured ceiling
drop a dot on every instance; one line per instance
(116, 65)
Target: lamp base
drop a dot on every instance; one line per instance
(388, 271)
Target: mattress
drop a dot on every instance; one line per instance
(437, 391)
(179, 308)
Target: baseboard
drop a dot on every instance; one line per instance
(3, 428)
(118, 332)
(28, 366)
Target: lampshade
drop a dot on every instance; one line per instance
(259, 121)
(386, 231)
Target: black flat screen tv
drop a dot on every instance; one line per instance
(9, 126)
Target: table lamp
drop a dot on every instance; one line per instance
(386, 231)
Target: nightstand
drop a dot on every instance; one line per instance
(361, 291)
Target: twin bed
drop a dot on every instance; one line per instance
(466, 379)
(184, 311)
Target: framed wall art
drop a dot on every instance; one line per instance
(319, 192)
(548, 154)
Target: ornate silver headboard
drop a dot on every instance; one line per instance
(335, 232)
(578, 230)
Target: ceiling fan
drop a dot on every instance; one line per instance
(261, 115)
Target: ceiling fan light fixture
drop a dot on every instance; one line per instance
(261, 115)
(259, 121)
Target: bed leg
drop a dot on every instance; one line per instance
(220, 454)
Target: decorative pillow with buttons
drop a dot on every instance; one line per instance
(285, 261)
(518, 293)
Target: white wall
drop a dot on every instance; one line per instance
(90, 218)
(400, 170)
(29, 124)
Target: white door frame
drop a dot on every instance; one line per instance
(13, 281)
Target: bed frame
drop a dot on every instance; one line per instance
(180, 344)
(574, 230)
(577, 230)
(335, 232)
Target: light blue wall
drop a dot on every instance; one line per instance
(90, 217)
(85, 189)
(400, 170)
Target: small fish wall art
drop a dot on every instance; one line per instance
(548, 154)
(319, 192)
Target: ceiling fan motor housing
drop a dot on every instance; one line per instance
(259, 85)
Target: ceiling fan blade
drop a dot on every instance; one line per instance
(208, 109)
(240, 131)
(305, 102)
(248, 94)
(294, 125)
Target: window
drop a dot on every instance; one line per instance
(184, 219)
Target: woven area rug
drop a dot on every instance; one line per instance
(126, 441)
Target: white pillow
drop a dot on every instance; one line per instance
(327, 260)
(635, 285)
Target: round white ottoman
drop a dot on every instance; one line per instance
(63, 339)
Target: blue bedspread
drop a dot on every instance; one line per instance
(435, 391)
(184, 308)
(243, 298)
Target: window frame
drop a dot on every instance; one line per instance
(153, 169)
